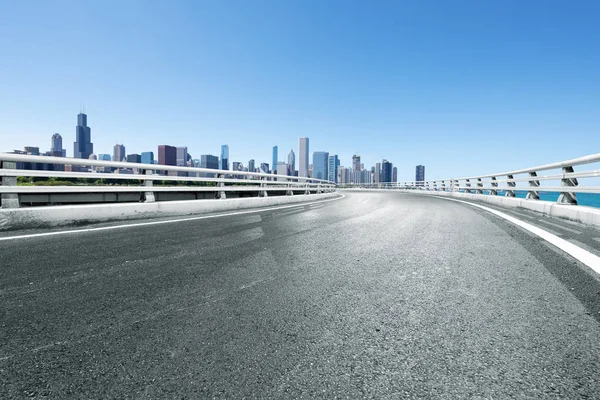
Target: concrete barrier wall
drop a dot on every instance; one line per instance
(585, 215)
(20, 218)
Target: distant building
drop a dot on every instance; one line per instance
(225, 157)
(104, 157)
(264, 167)
(56, 149)
(83, 146)
(167, 155)
(332, 166)
(395, 174)
(303, 149)
(291, 163)
(182, 155)
(420, 174)
(275, 159)
(282, 169)
(209, 161)
(118, 152)
(134, 158)
(148, 157)
(251, 167)
(377, 174)
(320, 165)
(356, 166)
(386, 171)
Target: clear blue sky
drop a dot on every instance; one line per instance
(464, 87)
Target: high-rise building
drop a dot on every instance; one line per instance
(56, 148)
(209, 161)
(420, 174)
(224, 157)
(303, 149)
(118, 152)
(332, 167)
(167, 155)
(386, 171)
(395, 174)
(251, 167)
(291, 162)
(182, 156)
(356, 163)
(264, 167)
(83, 146)
(275, 159)
(134, 158)
(320, 165)
(377, 173)
(148, 157)
(282, 169)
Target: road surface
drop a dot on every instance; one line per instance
(376, 295)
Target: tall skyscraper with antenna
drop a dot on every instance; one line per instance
(83, 146)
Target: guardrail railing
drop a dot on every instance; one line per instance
(198, 180)
(565, 182)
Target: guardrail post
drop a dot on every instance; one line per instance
(148, 183)
(468, 185)
(568, 197)
(479, 186)
(222, 194)
(263, 191)
(509, 192)
(9, 200)
(533, 194)
(289, 192)
(494, 192)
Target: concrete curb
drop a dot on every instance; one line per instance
(21, 218)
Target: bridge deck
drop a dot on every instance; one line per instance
(375, 295)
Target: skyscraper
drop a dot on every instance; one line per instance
(264, 167)
(395, 174)
(167, 155)
(377, 173)
(420, 174)
(303, 154)
(274, 164)
(118, 152)
(147, 157)
(356, 163)
(386, 171)
(320, 167)
(251, 167)
(224, 157)
(56, 148)
(291, 162)
(332, 168)
(209, 161)
(182, 156)
(134, 158)
(83, 146)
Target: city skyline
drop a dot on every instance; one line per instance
(380, 83)
(326, 166)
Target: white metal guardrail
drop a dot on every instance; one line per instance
(566, 183)
(222, 181)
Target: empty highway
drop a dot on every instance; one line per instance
(375, 295)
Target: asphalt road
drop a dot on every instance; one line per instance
(377, 295)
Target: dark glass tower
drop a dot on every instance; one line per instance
(83, 146)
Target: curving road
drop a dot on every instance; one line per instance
(376, 295)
